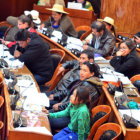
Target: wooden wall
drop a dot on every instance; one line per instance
(14, 7)
(126, 14)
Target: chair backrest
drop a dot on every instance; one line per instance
(95, 110)
(135, 78)
(5, 24)
(108, 126)
(57, 57)
(83, 29)
(1, 125)
(1, 101)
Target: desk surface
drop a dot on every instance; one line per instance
(129, 134)
(43, 121)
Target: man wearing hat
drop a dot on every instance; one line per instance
(60, 21)
(34, 52)
(103, 42)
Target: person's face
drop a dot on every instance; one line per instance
(56, 16)
(22, 25)
(108, 27)
(73, 98)
(83, 58)
(85, 72)
(80, 1)
(123, 48)
(97, 34)
(23, 44)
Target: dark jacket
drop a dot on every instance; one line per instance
(93, 84)
(36, 57)
(107, 44)
(67, 79)
(128, 65)
(65, 26)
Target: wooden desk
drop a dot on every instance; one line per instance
(128, 133)
(19, 135)
(68, 54)
(78, 17)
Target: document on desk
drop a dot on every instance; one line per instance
(42, 130)
(114, 78)
(135, 113)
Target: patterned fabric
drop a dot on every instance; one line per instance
(88, 6)
(80, 119)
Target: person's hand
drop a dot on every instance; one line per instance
(85, 42)
(61, 70)
(42, 26)
(51, 97)
(45, 111)
(120, 53)
(85, 47)
(137, 39)
(55, 107)
(17, 54)
(4, 42)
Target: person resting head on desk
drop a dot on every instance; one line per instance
(60, 21)
(102, 42)
(85, 4)
(34, 52)
(126, 60)
(22, 22)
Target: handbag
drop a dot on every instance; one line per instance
(129, 121)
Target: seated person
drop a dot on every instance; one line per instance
(85, 4)
(109, 24)
(50, 3)
(103, 42)
(73, 73)
(78, 111)
(88, 77)
(35, 55)
(23, 22)
(126, 60)
(60, 21)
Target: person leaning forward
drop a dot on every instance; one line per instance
(34, 52)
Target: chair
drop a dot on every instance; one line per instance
(57, 56)
(108, 126)
(83, 29)
(5, 24)
(1, 125)
(135, 78)
(95, 110)
(1, 101)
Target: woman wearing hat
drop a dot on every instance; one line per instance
(109, 23)
(60, 21)
(126, 60)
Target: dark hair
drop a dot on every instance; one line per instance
(98, 25)
(93, 67)
(112, 28)
(28, 19)
(89, 53)
(129, 43)
(22, 35)
(82, 93)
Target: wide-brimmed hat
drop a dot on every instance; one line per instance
(107, 20)
(57, 8)
(35, 16)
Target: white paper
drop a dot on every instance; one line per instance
(74, 5)
(57, 34)
(73, 40)
(42, 130)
